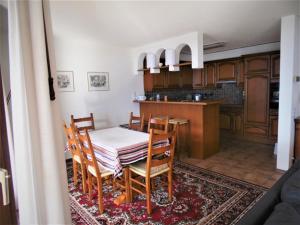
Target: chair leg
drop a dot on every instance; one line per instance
(90, 184)
(75, 169)
(100, 196)
(170, 184)
(130, 186)
(148, 195)
(83, 172)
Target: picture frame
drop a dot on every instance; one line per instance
(98, 81)
(65, 81)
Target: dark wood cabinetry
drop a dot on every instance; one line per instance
(241, 73)
(198, 78)
(210, 74)
(159, 79)
(257, 104)
(257, 64)
(231, 119)
(226, 71)
(186, 77)
(297, 138)
(172, 79)
(273, 127)
(275, 67)
(148, 81)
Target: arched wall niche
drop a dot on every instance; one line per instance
(159, 54)
(179, 49)
(142, 62)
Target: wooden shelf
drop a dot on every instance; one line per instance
(143, 69)
(184, 64)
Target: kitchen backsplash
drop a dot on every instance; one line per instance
(229, 92)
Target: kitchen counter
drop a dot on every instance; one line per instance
(185, 102)
(202, 134)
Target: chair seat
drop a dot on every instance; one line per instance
(104, 172)
(77, 158)
(140, 169)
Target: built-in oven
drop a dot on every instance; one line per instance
(274, 95)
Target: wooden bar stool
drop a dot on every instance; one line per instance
(181, 134)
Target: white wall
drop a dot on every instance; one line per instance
(289, 99)
(242, 51)
(4, 56)
(110, 108)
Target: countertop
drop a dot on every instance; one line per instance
(202, 102)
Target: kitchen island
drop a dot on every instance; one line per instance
(202, 134)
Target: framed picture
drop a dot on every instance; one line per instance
(98, 81)
(65, 80)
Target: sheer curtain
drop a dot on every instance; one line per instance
(39, 158)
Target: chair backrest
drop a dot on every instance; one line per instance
(71, 134)
(88, 151)
(84, 121)
(159, 154)
(159, 125)
(136, 122)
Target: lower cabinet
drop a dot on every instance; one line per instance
(256, 130)
(273, 127)
(231, 120)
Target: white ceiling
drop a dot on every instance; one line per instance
(131, 24)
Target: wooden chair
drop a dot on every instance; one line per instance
(160, 125)
(85, 120)
(77, 156)
(136, 122)
(159, 162)
(94, 168)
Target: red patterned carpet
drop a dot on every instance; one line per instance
(200, 197)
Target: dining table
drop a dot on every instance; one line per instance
(116, 148)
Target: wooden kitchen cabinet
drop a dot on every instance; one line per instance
(257, 99)
(198, 78)
(297, 138)
(241, 74)
(159, 79)
(275, 67)
(148, 81)
(172, 79)
(257, 64)
(210, 74)
(226, 70)
(186, 77)
(273, 127)
(231, 119)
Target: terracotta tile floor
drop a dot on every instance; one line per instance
(251, 162)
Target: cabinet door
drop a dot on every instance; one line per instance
(273, 126)
(241, 74)
(159, 79)
(148, 81)
(173, 79)
(256, 130)
(186, 76)
(198, 78)
(226, 71)
(257, 64)
(275, 66)
(225, 121)
(210, 74)
(257, 99)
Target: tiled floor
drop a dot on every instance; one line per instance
(251, 162)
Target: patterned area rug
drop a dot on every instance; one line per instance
(199, 197)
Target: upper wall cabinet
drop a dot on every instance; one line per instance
(159, 80)
(148, 81)
(275, 67)
(227, 71)
(186, 77)
(210, 74)
(198, 78)
(172, 79)
(257, 64)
